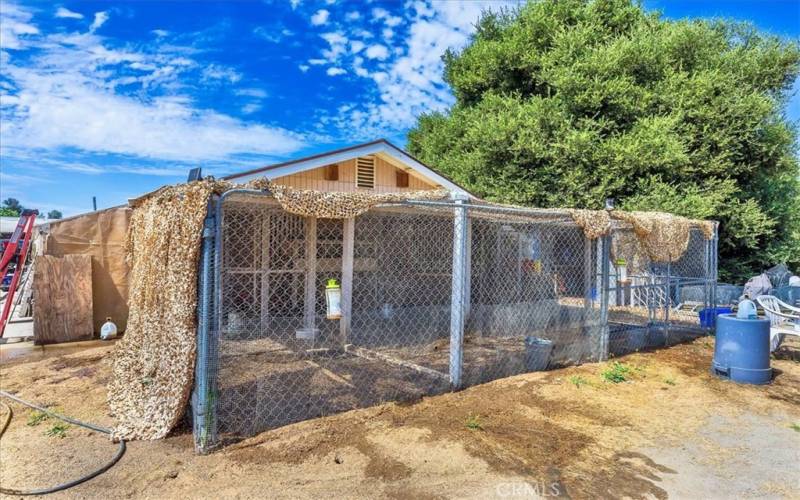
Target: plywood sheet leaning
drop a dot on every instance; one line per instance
(62, 290)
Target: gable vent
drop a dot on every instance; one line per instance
(365, 172)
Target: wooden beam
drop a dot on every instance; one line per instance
(379, 356)
(310, 306)
(348, 249)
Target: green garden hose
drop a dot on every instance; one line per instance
(70, 484)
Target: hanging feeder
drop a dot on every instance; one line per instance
(333, 299)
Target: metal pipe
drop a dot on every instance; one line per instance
(487, 208)
(202, 397)
(605, 285)
(210, 323)
(457, 293)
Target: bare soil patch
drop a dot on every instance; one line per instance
(566, 431)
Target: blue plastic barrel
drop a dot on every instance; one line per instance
(741, 350)
(537, 353)
(709, 315)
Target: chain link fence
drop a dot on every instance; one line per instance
(435, 296)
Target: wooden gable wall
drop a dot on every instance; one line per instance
(385, 179)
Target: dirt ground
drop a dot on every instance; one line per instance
(669, 430)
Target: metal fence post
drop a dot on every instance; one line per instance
(714, 267)
(203, 396)
(667, 302)
(605, 284)
(457, 301)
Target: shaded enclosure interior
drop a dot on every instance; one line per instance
(529, 294)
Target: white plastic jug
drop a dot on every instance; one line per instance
(747, 310)
(109, 330)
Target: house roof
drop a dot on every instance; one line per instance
(380, 146)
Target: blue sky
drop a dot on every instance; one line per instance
(113, 99)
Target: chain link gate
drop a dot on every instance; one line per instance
(435, 296)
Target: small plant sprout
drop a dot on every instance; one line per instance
(616, 373)
(36, 417)
(795, 427)
(669, 381)
(58, 430)
(578, 381)
(473, 423)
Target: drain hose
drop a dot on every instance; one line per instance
(70, 484)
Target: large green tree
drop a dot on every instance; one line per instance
(563, 103)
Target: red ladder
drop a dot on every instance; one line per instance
(20, 241)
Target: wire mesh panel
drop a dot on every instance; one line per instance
(401, 298)
(434, 296)
(532, 296)
(654, 304)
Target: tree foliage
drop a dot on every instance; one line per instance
(54, 214)
(568, 102)
(11, 208)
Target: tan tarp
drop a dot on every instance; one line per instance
(101, 235)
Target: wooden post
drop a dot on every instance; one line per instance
(348, 248)
(310, 305)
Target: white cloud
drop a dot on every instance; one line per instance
(334, 38)
(320, 17)
(356, 46)
(392, 21)
(362, 33)
(408, 80)
(160, 33)
(15, 26)
(353, 16)
(316, 62)
(64, 98)
(377, 51)
(251, 92)
(304, 67)
(337, 43)
(222, 73)
(251, 107)
(273, 35)
(295, 3)
(379, 13)
(164, 128)
(66, 13)
(100, 19)
(335, 71)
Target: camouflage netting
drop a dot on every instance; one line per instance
(595, 223)
(664, 237)
(626, 245)
(153, 362)
(332, 205)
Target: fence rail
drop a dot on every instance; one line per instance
(435, 296)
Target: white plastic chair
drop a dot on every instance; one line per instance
(783, 318)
